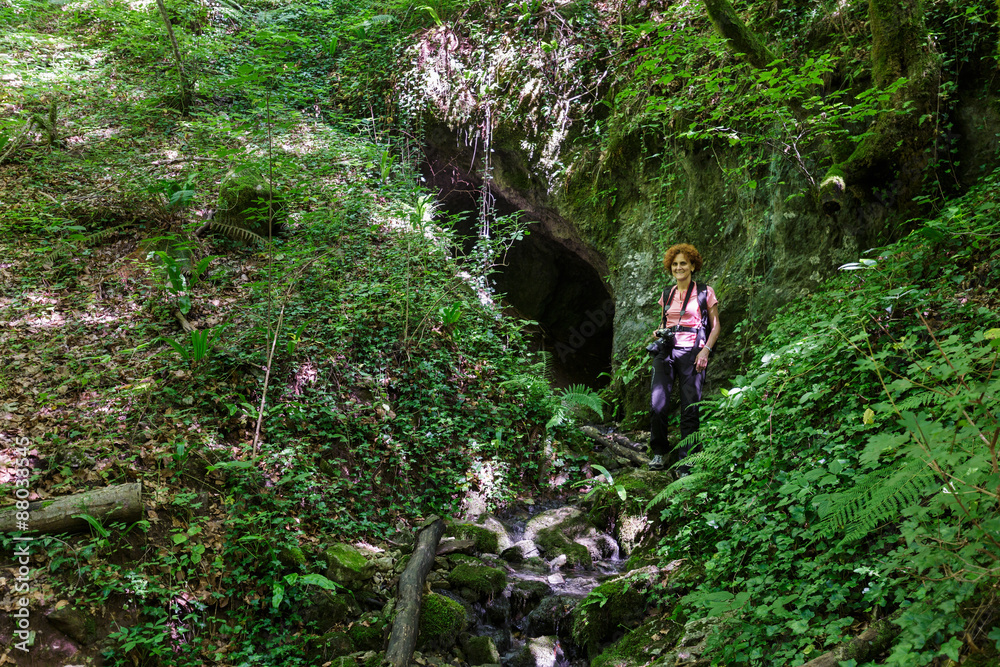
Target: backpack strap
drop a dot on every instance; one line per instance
(706, 321)
(666, 304)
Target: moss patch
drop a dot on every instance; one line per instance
(441, 621)
(486, 540)
(608, 607)
(368, 633)
(555, 544)
(480, 579)
(636, 647)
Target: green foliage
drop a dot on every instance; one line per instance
(859, 451)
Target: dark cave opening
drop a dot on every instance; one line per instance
(543, 281)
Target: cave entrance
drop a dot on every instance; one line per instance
(545, 282)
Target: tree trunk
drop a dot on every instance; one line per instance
(186, 87)
(619, 449)
(405, 627)
(900, 48)
(122, 503)
(741, 39)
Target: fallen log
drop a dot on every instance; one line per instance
(620, 450)
(403, 638)
(876, 639)
(121, 503)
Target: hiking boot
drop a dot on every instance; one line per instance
(657, 463)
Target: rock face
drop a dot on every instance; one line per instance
(607, 191)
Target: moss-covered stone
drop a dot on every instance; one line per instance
(441, 621)
(607, 608)
(368, 633)
(482, 580)
(627, 519)
(480, 650)
(486, 540)
(554, 544)
(292, 558)
(323, 609)
(347, 566)
(327, 647)
(75, 623)
(637, 646)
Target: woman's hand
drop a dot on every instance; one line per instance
(701, 363)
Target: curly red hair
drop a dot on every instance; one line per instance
(689, 251)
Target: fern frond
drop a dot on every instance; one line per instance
(236, 233)
(878, 498)
(69, 248)
(686, 482)
(582, 395)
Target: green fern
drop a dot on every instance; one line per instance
(237, 233)
(685, 482)
(878, 498)
(583, 396)
(78, 241)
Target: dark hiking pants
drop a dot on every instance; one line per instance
(675, 368)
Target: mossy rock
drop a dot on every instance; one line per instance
(641, 645)
(292, 558)
(248, 203)
(525, 596)
(607, 608)
(627, 518)
(486, 540)
(368, 634)
(554, 544)
(77, 624)
(347, 566)
(480, 650)
(329, 646)
(552, 616)
(441, 621)
(324, 609)
(463, 559)
(482, 580)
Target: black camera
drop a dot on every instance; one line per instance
(664, 341)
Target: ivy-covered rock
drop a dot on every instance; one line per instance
(323, 609)
(247, 202)
(368, 633)
(441, 621)
(347, 566)
(611, 606)
(481, 581)
(328, 647)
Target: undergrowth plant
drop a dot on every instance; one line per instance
(851, 473)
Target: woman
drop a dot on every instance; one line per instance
(683, 306)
